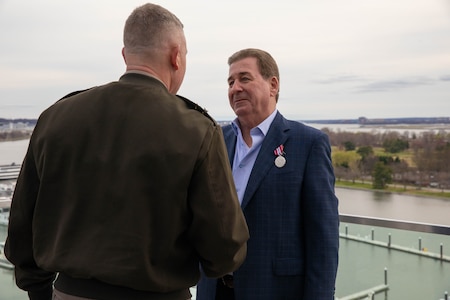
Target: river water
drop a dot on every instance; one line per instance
(410, 277)
(380, 204)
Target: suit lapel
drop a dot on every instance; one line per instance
(276, 136)
(230, 142)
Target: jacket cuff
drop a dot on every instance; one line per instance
(43, 294)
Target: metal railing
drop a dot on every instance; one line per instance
(394, 224)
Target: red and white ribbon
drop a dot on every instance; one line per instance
(279, 151)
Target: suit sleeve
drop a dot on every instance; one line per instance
(321, 222)
(219, 230)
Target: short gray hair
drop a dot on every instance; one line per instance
(148, 27)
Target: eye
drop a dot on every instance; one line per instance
(230, 83)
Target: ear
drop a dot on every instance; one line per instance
(175, 57)
(274, 86)
(123, 55)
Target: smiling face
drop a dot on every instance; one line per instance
(252, 97)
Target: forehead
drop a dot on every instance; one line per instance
(245, 65)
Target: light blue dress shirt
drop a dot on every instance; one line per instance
(244, 156)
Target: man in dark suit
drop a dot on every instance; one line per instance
(126, 187)
(285, 183)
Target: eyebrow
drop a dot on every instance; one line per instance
(240, 74)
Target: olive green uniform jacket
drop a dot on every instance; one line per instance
(128, 185)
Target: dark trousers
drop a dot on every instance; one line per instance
(223, 292)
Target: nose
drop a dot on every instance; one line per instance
(235, 87)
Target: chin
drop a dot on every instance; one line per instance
(241, 113)
(241, 107)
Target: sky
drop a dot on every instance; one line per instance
(338, 59)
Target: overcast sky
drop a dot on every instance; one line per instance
(337, 58)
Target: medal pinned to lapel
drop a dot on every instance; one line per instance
(280, 160)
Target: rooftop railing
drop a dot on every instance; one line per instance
(396, 224)
(347, 220)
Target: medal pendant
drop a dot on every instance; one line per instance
(280, 161)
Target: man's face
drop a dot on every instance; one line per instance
(251, 96)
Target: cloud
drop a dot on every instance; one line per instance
(395, 84)
(380, 85)
(335, 57)
(340, 79)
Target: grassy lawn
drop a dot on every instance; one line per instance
(406, 155)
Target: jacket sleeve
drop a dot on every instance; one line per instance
(219, 230)
(19, 243)
(321, 222)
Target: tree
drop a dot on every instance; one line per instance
(395, 145)
(364, 151)
(345, 164)
(365, 164)
(400, 171)
(422, 158)
(349, 146)
(382, 175)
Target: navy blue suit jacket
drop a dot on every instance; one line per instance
(292, 215)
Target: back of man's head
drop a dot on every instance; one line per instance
(149, 28)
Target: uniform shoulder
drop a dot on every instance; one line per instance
(74, 93)
(192, 105)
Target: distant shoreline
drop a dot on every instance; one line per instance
(396, 189)
(359, 120)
